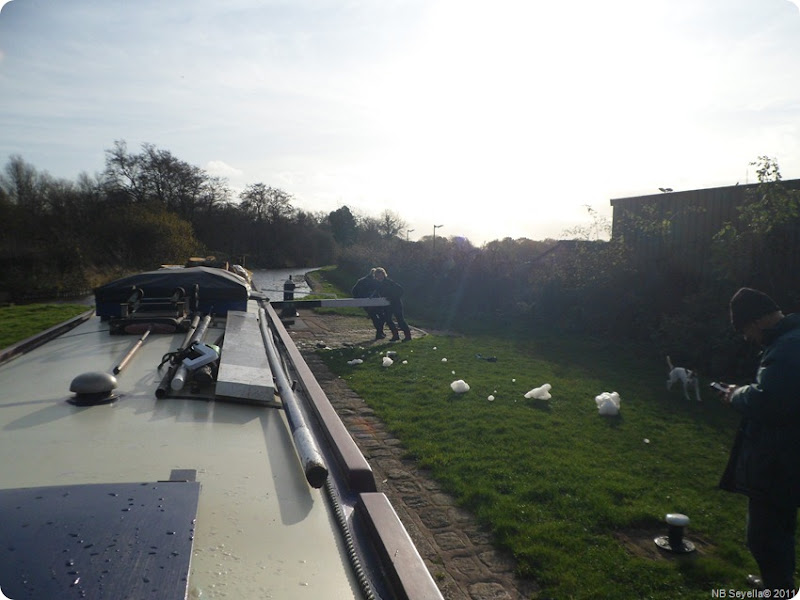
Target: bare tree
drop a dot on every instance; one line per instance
(123, 172)
(390, 224)
(158, 176)
(21, 183)
(266, 203)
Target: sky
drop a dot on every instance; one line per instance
(509, 118)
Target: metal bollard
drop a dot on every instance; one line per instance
(288, 311)
(674, 541)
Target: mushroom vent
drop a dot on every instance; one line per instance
(93, 388)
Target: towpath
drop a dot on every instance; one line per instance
(457, 551)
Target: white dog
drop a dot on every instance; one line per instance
(687, 377)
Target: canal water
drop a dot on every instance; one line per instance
(271, 281)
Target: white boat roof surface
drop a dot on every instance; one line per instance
(261, 531)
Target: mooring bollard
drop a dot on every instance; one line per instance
(288, 311)
(674, 541)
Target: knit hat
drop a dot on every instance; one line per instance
(748, 305)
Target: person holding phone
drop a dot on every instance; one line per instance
(764, 463)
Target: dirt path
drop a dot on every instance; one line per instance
(457, 551)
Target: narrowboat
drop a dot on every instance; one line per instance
(172, 444)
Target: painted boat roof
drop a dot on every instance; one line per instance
(261, 531)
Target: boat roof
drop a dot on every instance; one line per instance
(180, 495)
(162, 282)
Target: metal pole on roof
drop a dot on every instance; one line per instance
(307, 450)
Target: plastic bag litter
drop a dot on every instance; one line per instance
(387, 362)
(459, 386)
(540, 393)
(355, 361)
(608, 403)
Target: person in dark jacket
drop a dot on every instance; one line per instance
(393, 292)
(367, 287)
(764, 463)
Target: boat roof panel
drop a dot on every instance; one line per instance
(261, 531)
(71, 541)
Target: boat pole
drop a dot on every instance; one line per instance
(307, 450)
(126, 359)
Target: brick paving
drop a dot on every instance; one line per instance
(457, 551)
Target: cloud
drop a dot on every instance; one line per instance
(222, 169)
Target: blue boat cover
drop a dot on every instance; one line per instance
(219, 290)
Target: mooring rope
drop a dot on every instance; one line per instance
(349, 543)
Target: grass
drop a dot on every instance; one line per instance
(19, 322)
(556, 482)
(560, 486)
(322, 288)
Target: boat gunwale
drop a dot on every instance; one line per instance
(398, 556)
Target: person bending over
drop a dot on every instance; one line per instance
(393, 292)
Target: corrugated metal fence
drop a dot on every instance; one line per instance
(675, 230)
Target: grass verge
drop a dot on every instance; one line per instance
(566, 490)
(576, 497)
(323, 287)
(19, 322)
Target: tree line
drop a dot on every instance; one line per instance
(149, 207)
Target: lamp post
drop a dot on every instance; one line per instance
(407, 232)
(435, 227)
